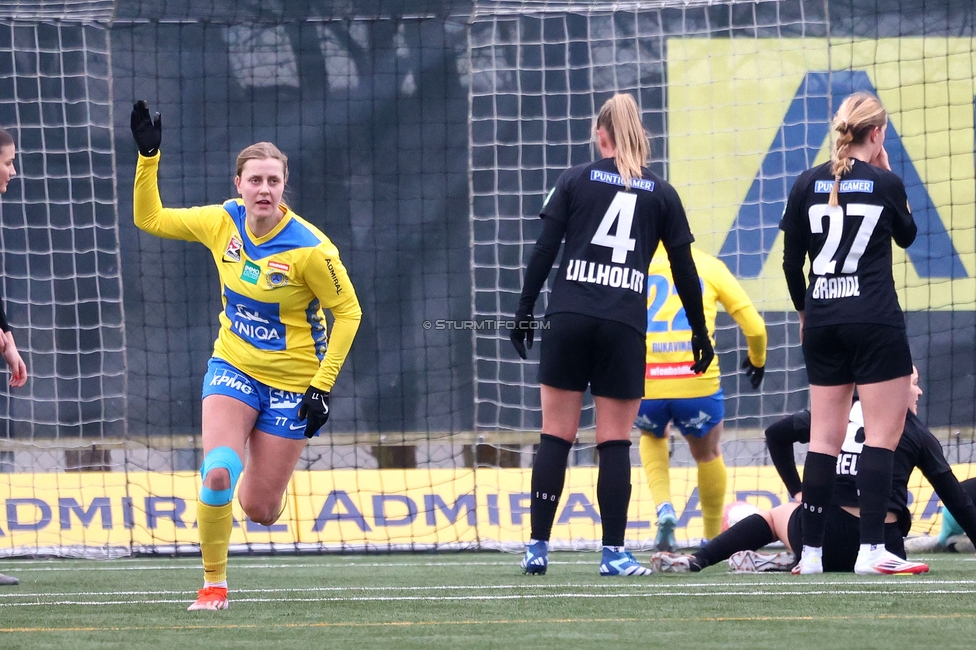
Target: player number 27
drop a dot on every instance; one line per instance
(824, 263)
(622, 208)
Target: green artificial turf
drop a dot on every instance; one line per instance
(476, 600)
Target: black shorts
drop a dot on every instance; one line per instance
(855, 353)
(842, 538)
(579, 351)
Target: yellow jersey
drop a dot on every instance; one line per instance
(669, 355)
(273, 288)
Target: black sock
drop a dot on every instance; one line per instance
(750, 534)
(613, 489)
(874, 490)
(548, 476)
(818, 488)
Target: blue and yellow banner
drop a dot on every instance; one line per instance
(361, 509)
(746, 116)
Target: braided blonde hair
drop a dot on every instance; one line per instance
(621, 120)
(857, 116)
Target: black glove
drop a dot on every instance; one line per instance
(754, 373)
(522, 332)
(147, 132)
(701, 348)
(315, 407)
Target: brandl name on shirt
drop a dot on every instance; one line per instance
(844, 286)
(608, 275)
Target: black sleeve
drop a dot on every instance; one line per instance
(543, 256)
(903, 228)
(934, 466)
(956, 501)
(780, 438)
(686, 283)
(796, 241)
(674, 229)
(3, 317)
(929, 457)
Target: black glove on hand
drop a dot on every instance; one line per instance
(147, 132)
(701, 348)
(754, 373)
(522, 332)
(315, 407)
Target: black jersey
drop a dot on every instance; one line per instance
(849, 245)
(611, 235)
(917, 448)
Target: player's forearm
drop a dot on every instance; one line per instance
(956, 501)
(147, 207)
(540, 263)
(340, 342)
(780, 438)
(687, 284)
(754, 330)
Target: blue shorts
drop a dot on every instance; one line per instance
(277, 409)
(694, 416)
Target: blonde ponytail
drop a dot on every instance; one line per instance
(621, 120)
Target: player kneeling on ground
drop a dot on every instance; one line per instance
(917, 448)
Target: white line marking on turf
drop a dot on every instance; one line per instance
(922, 586)
(488, 598)
(687, 590)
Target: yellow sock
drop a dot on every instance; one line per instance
(711, 493)
(654, 457)
(215, 524)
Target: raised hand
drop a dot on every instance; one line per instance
(148, 132)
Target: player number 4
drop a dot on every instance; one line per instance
(824, 263)
(621, 243)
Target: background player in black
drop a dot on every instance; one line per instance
(917, 448)
(612, 214)
(18, 370)
(844, 214)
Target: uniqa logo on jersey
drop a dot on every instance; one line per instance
(256, 322)
(746, 117)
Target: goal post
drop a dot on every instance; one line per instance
(423, 136)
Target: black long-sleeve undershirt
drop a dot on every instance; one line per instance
(687, 284)
(540, 263)
(794, 257)
(4, 326)
(780, 438)
(956, 501)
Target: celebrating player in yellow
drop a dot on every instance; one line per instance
(273, 366)
(695, 403)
